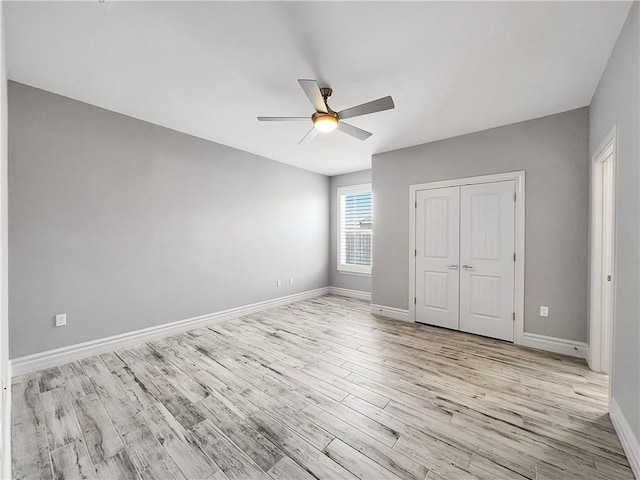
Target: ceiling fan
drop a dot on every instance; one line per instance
(326, 120)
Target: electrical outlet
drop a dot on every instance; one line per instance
(290, 280)
(278, 283)
(544, 311)
(61, 320)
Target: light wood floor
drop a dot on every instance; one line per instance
(318, 389)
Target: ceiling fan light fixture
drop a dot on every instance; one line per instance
(325, 122)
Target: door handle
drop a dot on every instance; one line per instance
(452, 267)
(467, 267)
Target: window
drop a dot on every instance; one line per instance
(355, 223)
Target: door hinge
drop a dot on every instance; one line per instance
(415, 301)
(515, 196)
(416, 204)
(514, 257)
(415, 253)
(514, 316)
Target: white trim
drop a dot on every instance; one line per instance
(630, 444)
(355, 274)
(519, 178)
(346, 292)
(60, 356)
(597, 335)
(391, 312)
(556, 345)
(5, 461)
(587, 355)
(343, 268)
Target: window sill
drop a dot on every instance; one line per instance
(357, 274)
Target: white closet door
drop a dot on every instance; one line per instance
(437, 252)
(487, 246)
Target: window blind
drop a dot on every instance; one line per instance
(356, 223)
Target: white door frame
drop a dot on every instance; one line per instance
(601, 337)
(519, 178)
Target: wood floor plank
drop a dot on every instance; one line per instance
(178, 443)
(180, 406)
(117, 467)
(616, 470)
(235, 464)
(186, 386)
(297, 422)
(137, 392)
(435, 454)
(112, 361)
(264, 453)
(29, 445)
(164, 470)
(287, 469)
(355, 462)
(102, 439)
(142, 447)
(59, 417)
(317, 389)
(76, 380)
(546, 471)
(453, 473)
(351, 388)
(120, 409)
(294, 446)
(383, 433)
(72, 461)
(486, 469)
(421, 400)
(391, 459)
(600, 443)
(50, 378)
(559, 454)
(289, 349)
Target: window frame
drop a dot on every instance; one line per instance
(347, 268)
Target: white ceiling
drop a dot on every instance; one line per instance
(209, 68)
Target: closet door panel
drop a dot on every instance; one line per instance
(487, 246)
(437, 252)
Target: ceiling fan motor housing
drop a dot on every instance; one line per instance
(325, 92)
(325, 122)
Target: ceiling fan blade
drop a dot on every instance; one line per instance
(282, 119)
(385, 103)
(354, 131)
(308, 138)
(312, 90)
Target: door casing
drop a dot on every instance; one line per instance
(519, 180)
(599, 356)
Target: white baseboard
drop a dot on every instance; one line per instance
(71, 353)
(587, 357)
(630, 443)
(556, 345)
(346, 292)
(391, 312)
(5, 453)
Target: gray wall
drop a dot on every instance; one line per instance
(616, 102)
(124, 225)
(336, 279)
(554, 153)
(5, 431)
